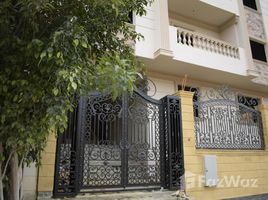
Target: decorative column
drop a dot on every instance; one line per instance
(162, 19)
(244, 38)
(187, 116)
(46, 170)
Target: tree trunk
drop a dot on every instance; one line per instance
(1, 176)
(14, 184)
(1, 184)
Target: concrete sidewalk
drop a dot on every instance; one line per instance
(255, 197)
(128, 195)
(143, 195)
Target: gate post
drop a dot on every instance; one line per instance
(264, 113)
(187, 118)
(46, 170)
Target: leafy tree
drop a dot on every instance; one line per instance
(51, 52)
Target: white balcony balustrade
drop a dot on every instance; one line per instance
(197, 40)
(194, 51)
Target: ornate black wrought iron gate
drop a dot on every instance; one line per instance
(134, 141)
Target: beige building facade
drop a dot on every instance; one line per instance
(217, 44)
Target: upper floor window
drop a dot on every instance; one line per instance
(250, 3)
(258, 51)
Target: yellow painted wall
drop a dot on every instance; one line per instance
(46, 170)
(245, 164)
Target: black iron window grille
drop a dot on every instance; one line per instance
(226, 120)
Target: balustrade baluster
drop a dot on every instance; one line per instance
(213, 46)
(194, 41)
(197, 42)
(209, 45)
(183, 37)
(231, 51)
(237, 52)
(201, 42)
(234, 53)
(190, 39)
(228, 50)
(223, 49)
(179, 36)
(218, 47)
(206, 43)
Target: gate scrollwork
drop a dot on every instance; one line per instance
(122, 143)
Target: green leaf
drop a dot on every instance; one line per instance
(43, 54)
(74, 85)
(58, 54)
(5, 89)
(15, 98)
(3, 118)
(55, 91)
(50, 54)
(84, 44)
(76, 42)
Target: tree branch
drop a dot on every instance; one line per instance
(21, 161)
(7, 162)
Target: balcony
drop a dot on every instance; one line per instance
(201, 50)
(205, 43)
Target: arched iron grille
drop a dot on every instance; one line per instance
(132, 142)
(225, 119)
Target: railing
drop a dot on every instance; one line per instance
(197, 40)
